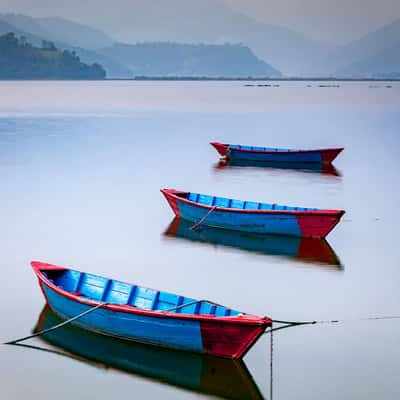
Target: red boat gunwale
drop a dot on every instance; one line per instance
(40, 267)
(173, 194)
(328, 154)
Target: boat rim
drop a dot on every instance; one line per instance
(319, 212)
(232, 147)
(244, 319)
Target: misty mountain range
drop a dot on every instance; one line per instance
(265, 50)
(123, 60)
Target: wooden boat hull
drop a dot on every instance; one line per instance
(204, 374)
(229, 337)
(301, 223)
(302, 249)
(251, 153)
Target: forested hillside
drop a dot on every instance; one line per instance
(21, 60)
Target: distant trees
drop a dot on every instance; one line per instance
(47, 45)
(21, 60)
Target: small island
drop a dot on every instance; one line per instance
(21, 60)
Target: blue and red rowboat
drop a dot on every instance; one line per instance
(270, 154)
(148, 316)
(250, 216)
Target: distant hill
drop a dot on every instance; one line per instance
(368, 45)
(385, 64)
(212, 22)
(192, 22)
(113, 67)
(274, 49)
(173, 59)
(75, 34)
(21, 60)
(27, 25)
(6, 27)
(121, 61)
(59, 29)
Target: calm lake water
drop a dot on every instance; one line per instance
(81, 165)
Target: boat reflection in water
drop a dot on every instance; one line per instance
(205, 374)
(302, 249)
(324, 169)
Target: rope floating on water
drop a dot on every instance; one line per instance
(53, 328)
(384, 317)
(294, 322)
(290, 324)
(197, 224)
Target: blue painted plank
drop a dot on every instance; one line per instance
(283, 224)
(179, 334)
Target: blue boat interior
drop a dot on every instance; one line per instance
(212, 201)
(102, 289)
(257, 148)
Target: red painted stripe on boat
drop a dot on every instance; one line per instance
(38, 265)
(318, 227)
(221, 148)
(230, 341)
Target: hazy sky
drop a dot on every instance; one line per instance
(334, 21)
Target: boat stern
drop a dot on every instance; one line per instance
(318, 226)
(231, 340)
(329, 155)
(221, 148)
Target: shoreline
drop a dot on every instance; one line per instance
(210, 79)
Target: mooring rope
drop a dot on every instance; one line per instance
(290, 324)
(53, 328)
(336, 321)
(286, 324)
(271, 374)
(197, 224)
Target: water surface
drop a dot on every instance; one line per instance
(81, 165)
